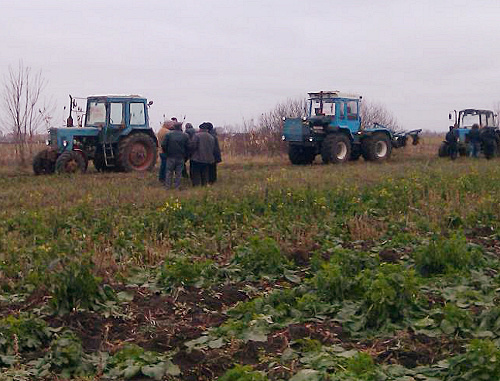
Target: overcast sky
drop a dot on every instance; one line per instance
(227, 61)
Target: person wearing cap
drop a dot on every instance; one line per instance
(166, 127)
(175, 146)
(202, 148)
(212, 168)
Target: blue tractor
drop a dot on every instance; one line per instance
(463, 121)
(113, 132)
(333, 129)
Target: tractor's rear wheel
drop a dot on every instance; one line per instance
(299, 155)
(44, 162)
(377, 147)
(137, 152)
(336, 148)
(71, 162)
(444, 150)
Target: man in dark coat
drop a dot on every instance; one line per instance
(202, 147)
(452, 140)
(489, 139)
(175, 146)
(474, 141)
(212, 168)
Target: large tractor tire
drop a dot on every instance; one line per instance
(377, 147)
(44, 162)
(355, 153)
(336, 148)
(299, 155)
(71, 162)
(444, 150)
(137, 152)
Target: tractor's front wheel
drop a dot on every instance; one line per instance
(71, 162)
(44, 162)
(299, 155)
(444, 150)
(336, 148)
(137, 152)
(377, 147)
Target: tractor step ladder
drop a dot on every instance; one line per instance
(109, 154)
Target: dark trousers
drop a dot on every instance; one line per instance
(199, 173)
(212, 173)
(453, 149)
(174, 168)
(163, 167)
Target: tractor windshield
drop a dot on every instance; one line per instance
(467, 120)
(320, 107)
(96, 114)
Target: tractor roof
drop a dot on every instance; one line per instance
(116, 96)
(332, 94)
(475, 111)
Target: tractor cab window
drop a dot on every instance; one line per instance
(469, 119)
(487, 120)
(352, 110)
(96, 114)
(116, 114)
(318, 109)
(137, 114)
(341, 110)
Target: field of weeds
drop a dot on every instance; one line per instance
(278, 272)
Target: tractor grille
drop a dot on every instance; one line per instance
(53, 137)
(294, 130)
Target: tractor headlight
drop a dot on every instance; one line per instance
(310, 139)
(284, 118)
(304, 118)
(47, 142)
(65, 143)
(283, 137)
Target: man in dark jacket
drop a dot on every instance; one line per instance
(452, 140)
(212, 168)
(490, 140)
(202, 147)
(175, 146)
(474, 141)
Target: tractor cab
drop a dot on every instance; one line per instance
(465, 119)
(332, 109)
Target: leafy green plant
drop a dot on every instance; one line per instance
(261, 256)
(455, 320)
(133, 361)
(65, 357)
(358, 367)
(480, 362)
(76, 287)
(184, 271)
(242, 373)
(25, 332)
(389, 293)
(446, 255)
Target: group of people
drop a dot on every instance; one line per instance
(200, 147)
(475, 139)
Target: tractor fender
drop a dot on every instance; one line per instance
(147, 131)
(366, 133)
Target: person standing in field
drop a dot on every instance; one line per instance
(175, 146)
(202, 148)
(490, 141)
(212, 168)
(474, 141)
(452, 140)
(190, 130)
(164, 130)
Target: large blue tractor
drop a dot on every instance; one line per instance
(333, 129)
(113, 132)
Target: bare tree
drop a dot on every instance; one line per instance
(377, 113)
(22, 106)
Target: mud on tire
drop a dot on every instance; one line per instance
(137, 152)
(377, 147)
(336, 148)
(71, 162)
